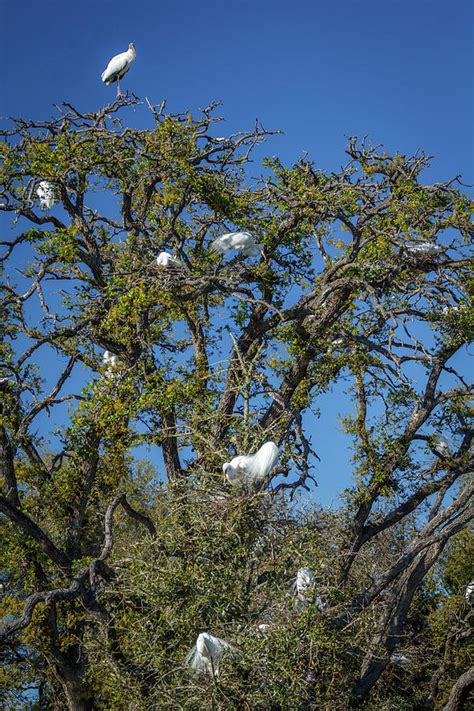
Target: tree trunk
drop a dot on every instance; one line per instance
(460, 692)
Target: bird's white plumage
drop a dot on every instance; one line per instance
(119, 65)
(241, 241)
(305, 582)
(469, 591)
(400, 659)
(252, 470)
(207, 653)
(45, 193)
(427, 249)
(110, 359)
(441, 446)
(164, 259)
(303, 588)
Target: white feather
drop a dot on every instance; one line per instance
(400, 659)
(441, 446)
(469, 591)
(119, 65)
(305, 582)
(242, 241)
(45, 193)
(110, 359)
(164, 259)
(252, 470)
(207, 654)
(424, 248)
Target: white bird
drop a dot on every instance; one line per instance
(441, 446)
(252, 470)
(242, 241)
(207, 654)
(110, 359)
(118, 67)
(400, 659)
(303, 586)
(45, 192)
(424, 248)
(469, 591)
(164, 259)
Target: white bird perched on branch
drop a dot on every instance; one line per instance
(400, 659)
(303, 587)
(118, 67)
(469, 591)
(112, 361)
(427, 249)
(441, 446)
(252, 470)
(207, 654)
(45, 192)
(164, 259)
(242, 241)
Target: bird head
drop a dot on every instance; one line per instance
(131, 48)
(203, 644)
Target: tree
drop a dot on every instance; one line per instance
(112, 566)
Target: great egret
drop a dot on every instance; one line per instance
(441, 446)
(111, 360)
(118, 67)
(242, 241)
(427, 249)
(304, 584)
(164, 259)
(252, 470)
(207, 653)
(469, 591)
(400, 659)
(45, 193)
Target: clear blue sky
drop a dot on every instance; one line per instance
(399, 71)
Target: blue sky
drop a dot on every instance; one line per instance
(398, 71)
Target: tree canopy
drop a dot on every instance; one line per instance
(114, 561)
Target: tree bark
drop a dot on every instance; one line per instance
(460, 692)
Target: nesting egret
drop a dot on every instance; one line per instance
(164, 259)
(303, 587)
(469, 591)
(441, 446)
(448, 310)
(207, 654)
(252, 470)
(242, 241)
(45, 193)
(118, 67)
(110, 359)
(427, 249)
(400, 659)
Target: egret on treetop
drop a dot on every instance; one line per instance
(207, 653)
(45, 192)
(118, 67)
(242, 241)
(252, 470)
